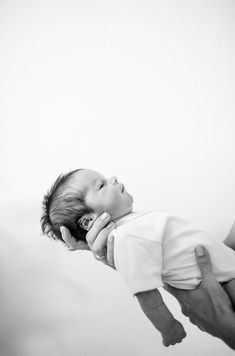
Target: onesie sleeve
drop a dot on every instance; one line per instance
(139, 262)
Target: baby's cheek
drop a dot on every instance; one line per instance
(112, 208)
(104, 206)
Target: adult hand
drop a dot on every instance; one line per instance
(230, 239)
(99, 240)
(71, 242)
(208, 306)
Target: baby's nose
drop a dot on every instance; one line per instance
(113, 180)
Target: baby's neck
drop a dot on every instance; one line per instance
(120, 217)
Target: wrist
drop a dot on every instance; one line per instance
(168, 324)
(227, 329)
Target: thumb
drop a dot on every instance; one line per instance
(66, 235)
(203, 261)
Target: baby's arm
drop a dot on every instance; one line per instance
(157, 312)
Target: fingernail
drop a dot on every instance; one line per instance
(104, 216)
(61, 229)
(200, 251)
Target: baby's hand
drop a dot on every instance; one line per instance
(174, 335)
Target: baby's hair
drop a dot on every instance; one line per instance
(63, 205)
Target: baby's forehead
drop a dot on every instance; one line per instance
(85, 177)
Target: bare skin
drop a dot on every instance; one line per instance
(230, 239)
(208, 306)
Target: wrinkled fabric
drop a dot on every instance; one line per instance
(152, 247)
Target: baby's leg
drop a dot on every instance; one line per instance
(229, 288)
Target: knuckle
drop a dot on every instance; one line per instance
(100, 223)
(203, 262)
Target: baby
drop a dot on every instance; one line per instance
(150, 247)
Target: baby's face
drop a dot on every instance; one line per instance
(102, 194)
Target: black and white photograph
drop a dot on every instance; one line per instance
(117, 229)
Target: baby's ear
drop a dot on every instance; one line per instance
(86, 221)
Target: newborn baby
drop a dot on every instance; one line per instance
(150, 247)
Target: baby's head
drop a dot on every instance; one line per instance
(76, 200)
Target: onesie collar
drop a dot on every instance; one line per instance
(130, 216)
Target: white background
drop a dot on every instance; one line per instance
(143, 90)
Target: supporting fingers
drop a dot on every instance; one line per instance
(110, 251)
(204, 262)
(96, 228)
(99, 246)
(66, 236)
(71, 242)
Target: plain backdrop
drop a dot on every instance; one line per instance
(143, 90)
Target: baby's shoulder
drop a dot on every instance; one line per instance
(148, 225)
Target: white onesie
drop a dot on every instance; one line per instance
(152, 247)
